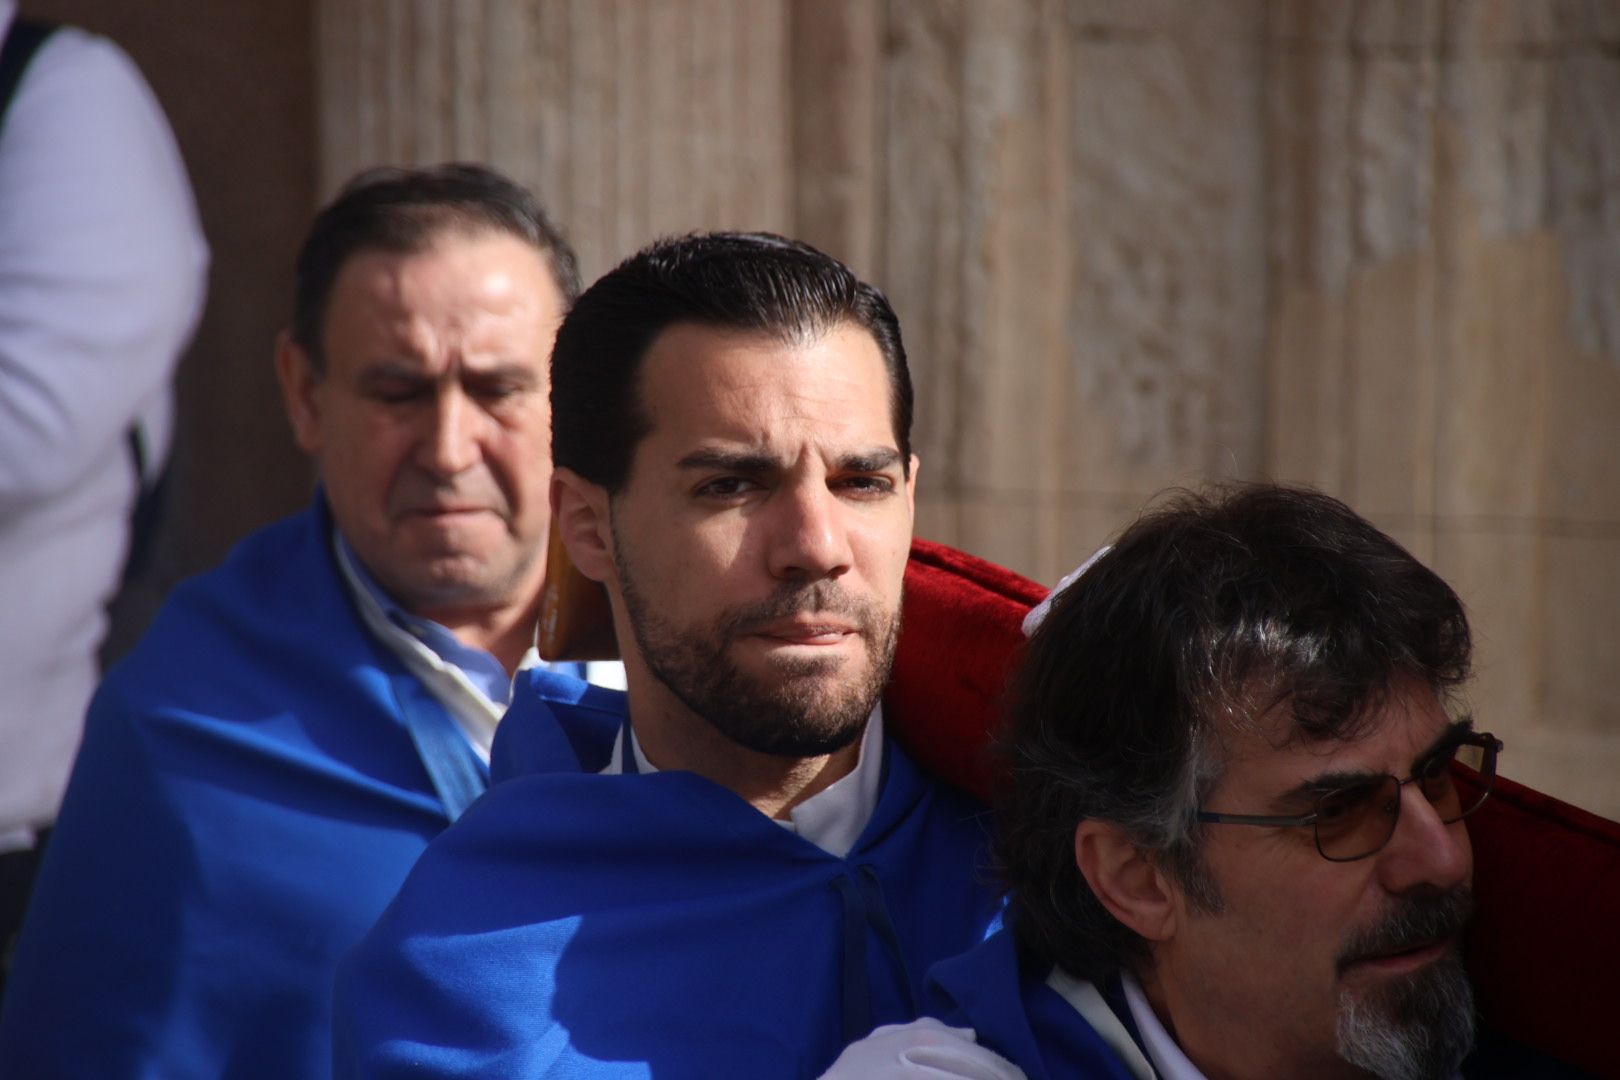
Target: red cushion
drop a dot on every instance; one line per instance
(959, 632)
(1544, 949)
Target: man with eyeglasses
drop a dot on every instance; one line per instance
(1233, 824)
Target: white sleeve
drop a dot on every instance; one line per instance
(102, 264)
(921, 1050)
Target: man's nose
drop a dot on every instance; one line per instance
(1424, 852)
(809, 533)
(449, 445)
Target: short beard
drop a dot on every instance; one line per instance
(792, 714)
(1421, 1025)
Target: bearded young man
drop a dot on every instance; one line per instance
(1233, 831)
(729, 871)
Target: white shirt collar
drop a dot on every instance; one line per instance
(1167, 1057)
(473, 709)
(834, 817)
(1163, 1059)
(1086, 1000)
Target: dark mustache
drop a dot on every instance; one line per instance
(1418, 921)
(818, 598)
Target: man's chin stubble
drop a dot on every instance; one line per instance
(1414, 1026)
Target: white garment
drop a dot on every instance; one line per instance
(921, 1050)
(608, 673)
(1167, 1057)
(102, 273)
(928, 1050)
(834, 817)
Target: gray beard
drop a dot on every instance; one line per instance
(794, 713)
(1421, 1026)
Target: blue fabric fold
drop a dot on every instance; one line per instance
(577, 925)
(247, 799)
(456, 772)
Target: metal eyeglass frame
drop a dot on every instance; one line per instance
(1490, 744)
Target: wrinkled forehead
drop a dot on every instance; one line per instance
(753, 387)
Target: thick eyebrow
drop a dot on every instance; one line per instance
(747, 462)
(385, 370)
(1338, 780)
(402, 371)
(753, 463)
(871, 461)
(514, 373)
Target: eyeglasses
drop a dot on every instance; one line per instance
(1357, 821)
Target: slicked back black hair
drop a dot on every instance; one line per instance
(402, 211)
(756, 282)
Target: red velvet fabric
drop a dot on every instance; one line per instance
(959, 635)
(1544, 948)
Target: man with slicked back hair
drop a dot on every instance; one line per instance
(261, 771)
(729, 870)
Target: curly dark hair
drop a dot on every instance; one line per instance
(1210, 611)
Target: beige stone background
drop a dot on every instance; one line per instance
(1369, 244)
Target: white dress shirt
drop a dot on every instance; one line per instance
(102, 274)
(477, 705)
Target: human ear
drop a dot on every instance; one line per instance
(580, 509)
(1124, 880)
(298, 380)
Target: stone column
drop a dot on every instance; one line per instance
(1444, 336)
(629, 119)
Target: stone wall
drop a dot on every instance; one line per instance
(1443, 344)
(1368, 244)
(1374, 246)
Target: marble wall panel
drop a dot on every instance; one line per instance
(1493, 397)
(1167, 262)
(1498, 575)
(836, 63)
(923, 240)
(1581, 593)
(1371, 246)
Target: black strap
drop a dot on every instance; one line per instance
(22, 42)
(151, 499)
(864, 908)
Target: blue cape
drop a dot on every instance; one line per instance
(575, 925)
(246, 802)
(1017, 1015)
